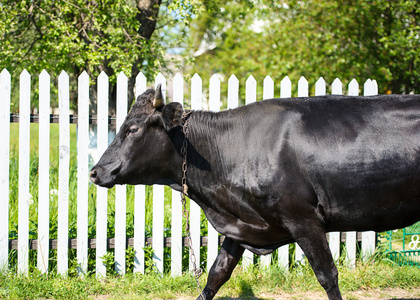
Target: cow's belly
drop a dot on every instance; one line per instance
(376, 203)
(257, 236)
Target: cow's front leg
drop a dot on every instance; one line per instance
(313, 241)
(227, 259)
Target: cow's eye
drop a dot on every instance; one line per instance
(132, 130)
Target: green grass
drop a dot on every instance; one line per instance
(54, 167)
(246, 284)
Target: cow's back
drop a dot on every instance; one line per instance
(362, 157)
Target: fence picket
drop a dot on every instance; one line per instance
(268, 93)
(368, 243)
(351, 236)
(139, 202)
(320, 87)
(121, 190)
(250, 97)
(82, 172)
(369, 237)
(268, 88)
(195, 210)
(214, 93)
(5, 88)
(24, 196)
(337, 87)
(353, 88)
(303, 87)
(286, 88)
(176, 230)
(63, 184)
(43, 167)
(283, 251)
(334, 237)
(101, 192)
(303, 91)
(158, 204)
(369, 88)
(233, 92)
(213, 235)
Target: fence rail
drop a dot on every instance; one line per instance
(55, 119)
(101, 242)
(167, 242)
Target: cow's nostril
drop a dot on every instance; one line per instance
(93, 175)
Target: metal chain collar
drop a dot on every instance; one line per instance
(184, 192)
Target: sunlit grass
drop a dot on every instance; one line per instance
(378, 274)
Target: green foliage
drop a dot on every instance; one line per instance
(244, 283)
(81, 35)
(346, 39)
(84, 35)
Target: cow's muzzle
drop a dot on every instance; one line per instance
(103, 177)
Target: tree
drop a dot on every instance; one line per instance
(91, 35)
(346, 39)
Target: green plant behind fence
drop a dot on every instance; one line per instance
(33, 209)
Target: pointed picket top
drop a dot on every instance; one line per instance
(337, 87)
(286, 88)
(44, 74)
(5, 87)
(368, 88)
(24, 94)
(141, 84)
(251, 80)
(4, 72)
(5, 80)
(102, 76)
(320, 87)
(196, 78)
(63, 75)
(26, 73)
(268, 91)
(121, 76)
(196, 92)
(303, 87)
(83, 82)
(63, 88)
(122, 98)
(102, 89)
(250, 90)
(83, 95)
(233, 92)
(353, 88)
(375, 87)
(85, 74)
(178, 88)
(214, 93)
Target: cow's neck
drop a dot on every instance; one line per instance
(209, 150)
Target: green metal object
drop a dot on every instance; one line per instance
(404, 245)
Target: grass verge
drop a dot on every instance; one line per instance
(244, 284)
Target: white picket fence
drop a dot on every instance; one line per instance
(214, 103)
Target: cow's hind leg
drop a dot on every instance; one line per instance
(314, 244)
(222, 269)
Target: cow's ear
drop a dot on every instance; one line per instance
(172, 115)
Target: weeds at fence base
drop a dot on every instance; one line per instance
(245, 283)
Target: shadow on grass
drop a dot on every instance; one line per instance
(245, 293)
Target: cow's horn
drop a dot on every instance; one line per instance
(158, 100)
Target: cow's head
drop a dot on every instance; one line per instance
(144, 150)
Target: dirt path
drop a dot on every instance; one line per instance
(386, 294)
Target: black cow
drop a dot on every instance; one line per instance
(279, 171)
